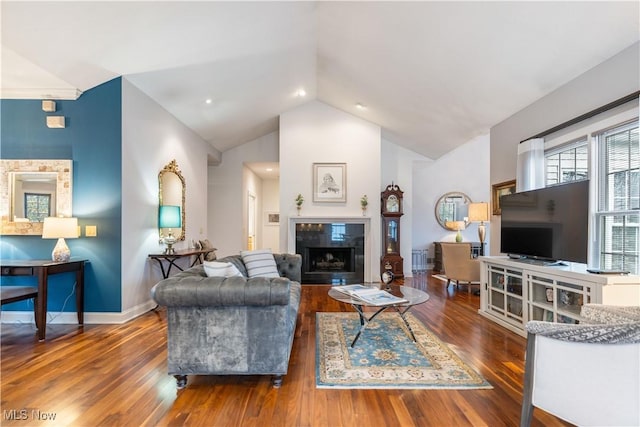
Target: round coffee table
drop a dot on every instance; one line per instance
(412, 295)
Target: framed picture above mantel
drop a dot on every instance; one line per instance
(329, 182)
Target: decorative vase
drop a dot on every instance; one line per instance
(364, 211)
(459, 237)
(299, 208)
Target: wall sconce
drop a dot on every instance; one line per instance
(91, 231)
(48, 106)
(169, 217)
(60, 228)
(55, 122)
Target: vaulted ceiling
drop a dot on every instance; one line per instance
(433, 75)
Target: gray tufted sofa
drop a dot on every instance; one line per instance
(231, 326)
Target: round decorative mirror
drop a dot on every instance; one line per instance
(451, 207)
(171, 193)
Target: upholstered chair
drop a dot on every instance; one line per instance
(586, 374)
(458, 264)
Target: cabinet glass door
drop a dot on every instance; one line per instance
(541, 295)
(569, 300)
(496, 291)
(556, 301)
(514, 297)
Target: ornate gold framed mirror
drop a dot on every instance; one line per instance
(451, 207)
(31, 190)
(171, 192)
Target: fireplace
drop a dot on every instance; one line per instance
(331, 259)
(331, 252)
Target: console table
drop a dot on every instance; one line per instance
(42, 269)
(171, 259)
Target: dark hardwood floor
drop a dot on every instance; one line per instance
(115, 375)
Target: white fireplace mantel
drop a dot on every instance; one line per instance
(366, 220)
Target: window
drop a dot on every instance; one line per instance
(618, 216)
(37, 206)
(567, 163)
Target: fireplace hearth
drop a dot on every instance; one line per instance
(331, 253)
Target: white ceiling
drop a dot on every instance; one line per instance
(433, 75)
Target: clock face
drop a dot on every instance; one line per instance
(392, 204)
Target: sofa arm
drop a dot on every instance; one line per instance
(198, 291)
(610, 314)
(289, 266)
(622, 333)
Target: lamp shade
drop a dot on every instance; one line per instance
(478, 212)
(57, 227)
(169, 216)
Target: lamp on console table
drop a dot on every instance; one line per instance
(60, 228)
(169, 217)
(479, 212)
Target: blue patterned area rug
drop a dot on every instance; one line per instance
(385, 356)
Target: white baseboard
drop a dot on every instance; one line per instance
(71, 317)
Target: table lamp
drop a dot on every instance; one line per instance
(479, 212)
(169, 217)
(60, 228)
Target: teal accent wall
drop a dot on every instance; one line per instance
(92, 138)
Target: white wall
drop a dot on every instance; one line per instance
(605, 83)
(316, 132)
(227, 192)
(270, 203)
(251, 185)
(151, 138)
(465, 169)
(397, 167)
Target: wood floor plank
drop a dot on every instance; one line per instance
(115, 375)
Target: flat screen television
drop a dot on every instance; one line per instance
(548, 224)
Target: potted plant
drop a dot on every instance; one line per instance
(299, 202)
(364, 202)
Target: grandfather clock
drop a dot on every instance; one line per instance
(391, 206)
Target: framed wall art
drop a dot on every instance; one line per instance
(501, 189)
(330, 182)
(272, 218)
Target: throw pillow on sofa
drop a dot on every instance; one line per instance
(260, 263)
(206, 245)
(220, 269)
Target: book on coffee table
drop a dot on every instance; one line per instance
(369, 295)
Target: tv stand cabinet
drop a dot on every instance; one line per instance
(513, 292)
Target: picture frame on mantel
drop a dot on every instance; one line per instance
(329, 182)
(501, 189)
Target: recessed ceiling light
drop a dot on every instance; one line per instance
(208, 100)
(301, 93)
(269, 169)
(359, 106)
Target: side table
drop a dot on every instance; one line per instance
(198, 254)
(42, 269)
